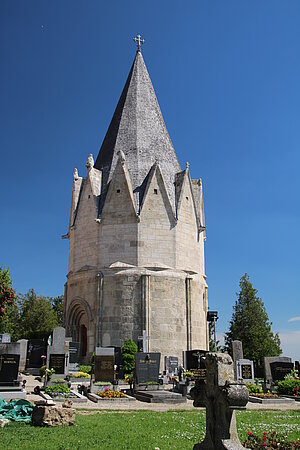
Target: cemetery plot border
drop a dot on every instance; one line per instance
(271, 401)
(96, 398)
(76, 397)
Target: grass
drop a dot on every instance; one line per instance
(134, 430)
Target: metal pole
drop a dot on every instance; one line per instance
(215, 339)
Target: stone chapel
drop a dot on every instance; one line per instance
(136, 236)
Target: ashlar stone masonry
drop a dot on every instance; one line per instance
(136, 236)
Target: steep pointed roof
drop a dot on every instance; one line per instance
(138, 129)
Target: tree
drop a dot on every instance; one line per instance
(58, 307)
(250, 324)
(37, 317)
(129, 349)
(9, 315)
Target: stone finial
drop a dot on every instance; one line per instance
(121, 155)
(75, 174)
(187, 165)
(90, 163)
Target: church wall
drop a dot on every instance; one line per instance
(156, 228)
(117, 242)
(122, 313)
(168, 331)
(84, 235)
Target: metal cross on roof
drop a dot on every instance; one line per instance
(139, 41)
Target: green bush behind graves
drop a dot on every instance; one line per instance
(129, 349)
(86, 369)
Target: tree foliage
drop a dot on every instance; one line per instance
(7, 294)
(129, 349)
(37, 317)
(250, 324)
(58, 307)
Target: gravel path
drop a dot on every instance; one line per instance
(136, 405)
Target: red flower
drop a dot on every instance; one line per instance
(249, 433)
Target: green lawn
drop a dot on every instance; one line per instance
(140, 430)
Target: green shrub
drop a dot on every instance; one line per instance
(254, 389)
(102, 383)
(42, 371)
(128, 351)
(58, 389)
(289, 386)
(58, 381)
(86, 369)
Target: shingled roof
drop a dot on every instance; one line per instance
(138, 129)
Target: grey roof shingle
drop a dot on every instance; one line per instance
(138, 129)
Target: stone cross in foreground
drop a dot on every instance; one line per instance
(221, 395)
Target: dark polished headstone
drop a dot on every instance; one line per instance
(36, 348)
(104, 368)
(147, 367)
(195, 363)
(9, 368)
(57, 362)
(74, 354)
(280, 369)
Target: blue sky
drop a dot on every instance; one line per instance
(226, 74)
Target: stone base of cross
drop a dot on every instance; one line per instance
(221, 395)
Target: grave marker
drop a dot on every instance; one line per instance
(147, 367)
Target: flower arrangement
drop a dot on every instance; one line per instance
(108, 393)
(266, 395)
(80, 375)
(59, 390)
(269, 441)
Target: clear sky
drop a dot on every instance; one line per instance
(226, 74)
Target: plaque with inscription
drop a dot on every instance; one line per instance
(199, 374)
(104, 368)
(280, 369)
(74, 352)
(9, 368)
(147, 367)
(57, 362)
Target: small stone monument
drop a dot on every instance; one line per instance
(221, 395)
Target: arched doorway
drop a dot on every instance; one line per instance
(77, 324)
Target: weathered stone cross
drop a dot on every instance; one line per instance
(139, 41)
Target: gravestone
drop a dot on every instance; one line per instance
(267, 365)
(237, 350)
(194, 363)
(36, 348)
(221, 395)
(146, 367)
(104, 364)
(74, 356)
(297, 367)
(23, 354)
(9, 371)
(245, 370)
(171, 364)
(58, 340)
(58, 353)
(57, 362)
(5, 338)
(280, 369)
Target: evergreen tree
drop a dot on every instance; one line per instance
(37, 317)
(129, 349)
(250, 324)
